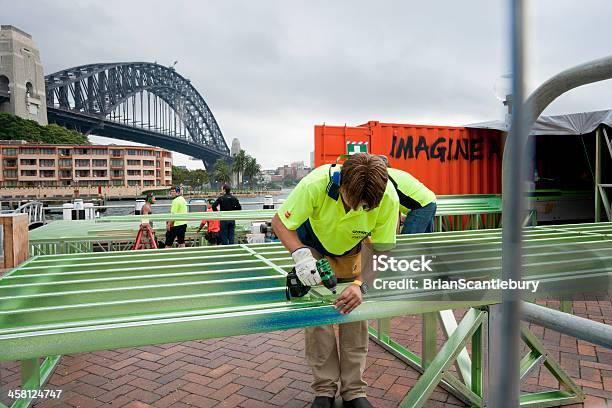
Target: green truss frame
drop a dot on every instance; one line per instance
(64, 304)
(469, 382)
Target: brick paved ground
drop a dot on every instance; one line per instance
(268, 370)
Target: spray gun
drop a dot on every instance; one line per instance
(295, 288)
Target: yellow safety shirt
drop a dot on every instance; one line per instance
(179, 206)
(412, 193)
(336, 229)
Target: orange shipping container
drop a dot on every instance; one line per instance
(447, 159)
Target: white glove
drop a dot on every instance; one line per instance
(306, 267)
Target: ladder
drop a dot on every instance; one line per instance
(144, 237)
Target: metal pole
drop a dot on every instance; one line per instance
(524, 116)
(575, 326)
(508, 362)
(597, 173)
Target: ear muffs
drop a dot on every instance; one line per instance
(333, 187)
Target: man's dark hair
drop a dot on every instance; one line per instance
(363, 180)
(227, 188)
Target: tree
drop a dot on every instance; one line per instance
(179, 175)
(251, 169)
(198, 177)
(222, 172)
(239, 164)
(15, 128)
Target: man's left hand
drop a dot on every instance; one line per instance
(349, 299)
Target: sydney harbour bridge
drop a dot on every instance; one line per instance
(139, 102)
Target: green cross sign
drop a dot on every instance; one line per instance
(356, 147)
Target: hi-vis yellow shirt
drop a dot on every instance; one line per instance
(336, 229)
(179, 206)
(415, 194)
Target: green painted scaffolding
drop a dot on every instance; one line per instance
(64, 304)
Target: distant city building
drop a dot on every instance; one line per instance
(266, 177)
(285, 172)
(297, 165)
(312, 160)
(235, 149)
(40, 165)
(22, 82)
(295, 171)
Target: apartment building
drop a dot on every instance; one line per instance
(25, 164)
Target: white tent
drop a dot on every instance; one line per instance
(570, 124)
(574, 124)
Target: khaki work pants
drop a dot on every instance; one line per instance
(342, 360)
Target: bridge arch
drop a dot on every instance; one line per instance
(136, 101)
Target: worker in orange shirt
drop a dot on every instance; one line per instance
(214, 227)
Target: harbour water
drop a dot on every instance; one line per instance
(127, 207)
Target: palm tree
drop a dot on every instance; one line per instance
(251, 169)
(238, 165)
(222, 172)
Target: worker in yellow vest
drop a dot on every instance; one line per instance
(329, 214)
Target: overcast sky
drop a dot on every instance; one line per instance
(271, 70)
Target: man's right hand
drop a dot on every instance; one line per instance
(306, 267)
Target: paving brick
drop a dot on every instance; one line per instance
(171, 386)
(256, 394)
(171, 376)
(172, 350)
(223, 393)
(146, 374)
(143, 395)
(112, 384)
(222, 381)
(268, 365)
(385, 381)
(124, 363)
(397, 392)
(200, 401)
(137, 404)
(93, 379)
(232, 401)
(175, 365)
(117, 392)
(273, 374)
(253, 403)
(69, 378)
(251, 382)
(170, 398)
(245, 372)
(284, 397)
(220, 371)
(197, 378)
(278, 385)
(82, 401)
(301, 385)
(149, 365)
(197, 389)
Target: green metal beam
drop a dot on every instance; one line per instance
(432, 376)
(449, 382)
(64, 304)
